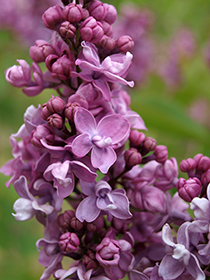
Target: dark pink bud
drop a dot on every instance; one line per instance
(91, 227)
(125, 43)
(107, 28)
(70, 110)
(188, 189)
(89, 260)
(55, 104)
(45, 113)
(111, 13)
(69, 242)
(187, 164)
(107, 43)
(136, 138)
(97, 10)
(205, 178)
(161, 153)
(150, 143)
(76, 224)
(64, 219)
(42, 131)
(55, 121)
(52, 17)
(40, 51)
(73, 13)
(132, 157)
(91, 30)
(108, 252)
(203, 163)
(67, 30)
(60, 67)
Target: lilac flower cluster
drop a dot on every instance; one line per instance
(86, 146)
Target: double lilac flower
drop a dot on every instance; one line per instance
(111, 131)
(101, 198)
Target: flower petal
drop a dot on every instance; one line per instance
(81, 145)
(103, 158)
(89, 203)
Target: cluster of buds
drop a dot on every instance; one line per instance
(86, 146)
(198, 171)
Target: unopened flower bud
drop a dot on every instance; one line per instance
(202, 162)
(150, 143)
(67, 30)
(55, 121)
(188, 189)
(73, 13)
(60, 67)
(55, 104)
(97, 10)
(132, 157)
(187, 165)
(70, 110)
(125, 43)
(107, 43)
(205, 178)
(42, 131)
(52, 17)
(76, 224)
(89, 260)
(91, 30)
(40, 51)
(69, 242)
(19, 76)
(64, 219)
(161, 153)
(136, 138)
(111, 13)
(107, 28)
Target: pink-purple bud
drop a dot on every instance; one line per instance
(107, 43)
(60, 67)
(111, 13)
(69, 242)
(55, 121)
(188, 189)
(64, 219)
(76, 224)
(89, 260)
(161, 153)
(73, 13)
(125, 43)
(97, 10)
(55, 104)
(107, 28)
(136, 138)
(202, 162)
(205, 178)
(40, 51)
(19, 76)
(67, 30)
(42, 131)
(91, 30)
(132, 157)
(187, 165)
(70, 110)
(53, 17)
(150, 143)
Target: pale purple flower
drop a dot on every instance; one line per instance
(27, 206)
(100, 138)
(112, 69)
(174, 264)
(101, 198)
(62, 173)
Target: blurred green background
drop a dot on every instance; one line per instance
(164, 112)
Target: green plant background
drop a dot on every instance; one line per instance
(164, 113)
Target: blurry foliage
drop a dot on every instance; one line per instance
(164, 113)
